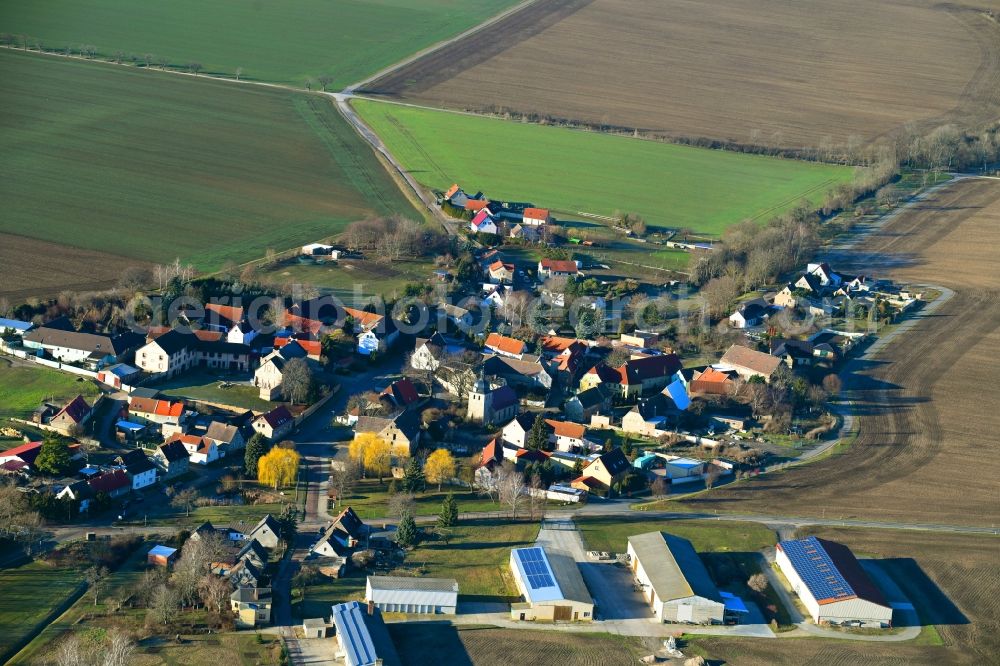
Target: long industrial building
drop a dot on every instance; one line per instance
(362, 639)
(674, 581)
(831, 583)
(404, 594)
(552, 586)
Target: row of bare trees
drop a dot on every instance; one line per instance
(394, 237)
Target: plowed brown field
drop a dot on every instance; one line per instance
(929, 407)
(30, 267)
(768, 71)
(953, 579)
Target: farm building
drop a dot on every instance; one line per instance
(552, 586)
(362, 639)
(161, 556)
(403, 594)
(674, 581)
(831, 583)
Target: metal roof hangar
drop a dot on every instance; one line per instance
(552, 586)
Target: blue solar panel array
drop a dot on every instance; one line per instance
(816, 569)
(536, 568)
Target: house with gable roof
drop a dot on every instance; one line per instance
(501, 272)
(172, 458)
(270, 374)
(505, 346)
(483, 222)
(604, 472)
(201, 450)
(267, 531)
(275, 424)
(72, 417)
(557, 268)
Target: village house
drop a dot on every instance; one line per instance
(114, 483)
(228, 439)
(400, 431)
(176, 352)
(501, 273)
(275, 424)
(269, 376)
(312, 346)
(460, 317)
(585, 404)
(526, 371)
(23, 456)
(168, 415)
(338, 541)
(428, 353)
(77, 491)
(483, 222)
(603, 473)
(139, 468)
(712, 381)
(504, 346)
(14, 327)
(548, 268)
(402, 393)
(373, 332)
(749, 314)
(89, 349)
(71, 419)
(536, 217)
(639, 339)
(172, 458)
(494, 296)
(570, 437)
(634, 377)
(797, 353)
(749, 363)
(251, 606)
(516, 431)
(201, 451)
(267, 531)
(230, 320)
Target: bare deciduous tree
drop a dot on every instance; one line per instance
(163, 606)
(401, 504)
(758, 583)
(511, 488)
(296, 381)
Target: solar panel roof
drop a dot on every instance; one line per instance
(537, 574)
(817, 570)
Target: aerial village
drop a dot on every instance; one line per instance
(254, 458)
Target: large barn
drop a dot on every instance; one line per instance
(406, 594)
(674, 581)
(552, 586)
(831, 583)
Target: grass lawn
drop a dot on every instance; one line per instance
(134, 175)
(235, 649)
(23, 388)
(201, 385)
(370, 500)
(319, 598)
(120, 584)
(232, 515)
(270, 41)
(574, 171)
(354, 281)
(30, 593)
(610, 533)
(476, 556)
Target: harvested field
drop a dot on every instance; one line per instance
(928, 417)
(151, 166)
(77, 269)
(767, 72)
(952, 579)
(424, 644)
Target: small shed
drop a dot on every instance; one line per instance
(314, 627)
(161, 556)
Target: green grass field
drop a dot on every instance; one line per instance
(205, 386)
(271, 41)
(153, 166)
(30, 593)
(23, 388)
(354, 281)
(575, 172)
(371, 500)
(611, 533)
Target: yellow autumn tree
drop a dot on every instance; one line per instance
(440, 467)
(372, 453)
(278, 467)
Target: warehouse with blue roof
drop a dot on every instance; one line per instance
(832, 584)
(552, 586)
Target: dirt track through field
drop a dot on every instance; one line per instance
(769, 72)
(928, 407)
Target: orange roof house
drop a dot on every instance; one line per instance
(476, 205)
(501, 344)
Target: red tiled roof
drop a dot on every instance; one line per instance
(567, 429)
(505, 344)
(402, 391)
(713, 375)
(109, 481)
(364, 318)
(559, 265)
(536, 213)
(157, 407)
(451, 191)
(312, 347)
(481, 218)
(531, 454)
(554, 343)
(205, 336)
(492, 452)
(231, 313)
(24, 451)
(588, 481)
(189, 441)
(476, 204)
